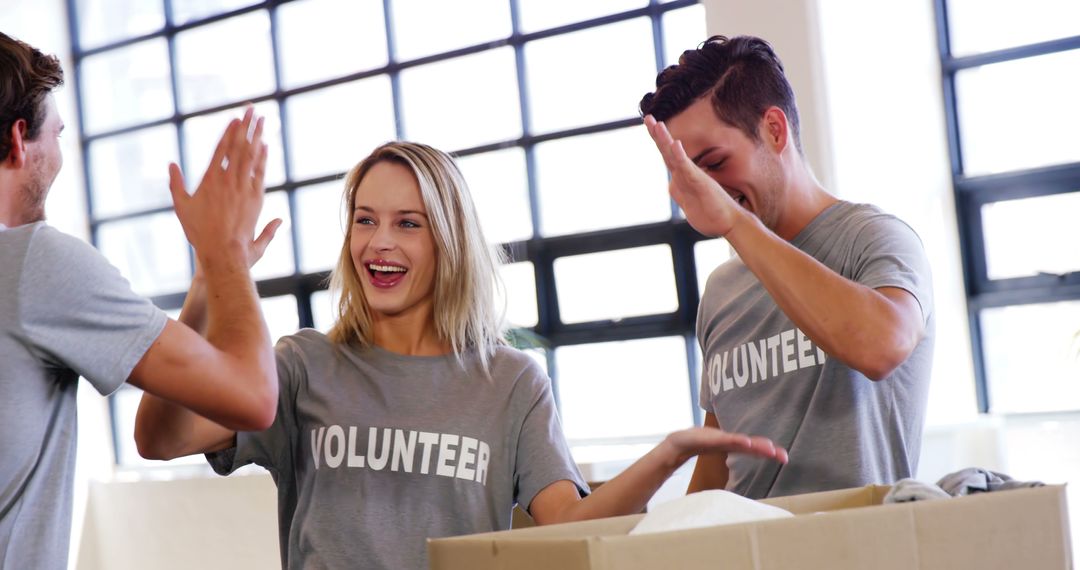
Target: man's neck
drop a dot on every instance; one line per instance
(11, 214)
(805, 199)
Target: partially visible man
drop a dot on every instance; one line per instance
(819, 333)
(65, 312)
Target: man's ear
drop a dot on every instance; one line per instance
(16, 157)
(774, 126)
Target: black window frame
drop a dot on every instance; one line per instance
(971, 193)
(541, 251)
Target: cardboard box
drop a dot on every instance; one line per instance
(839, 530)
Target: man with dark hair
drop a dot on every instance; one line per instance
(65, 312)
(819, 333)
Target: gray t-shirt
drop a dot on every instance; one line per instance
(762, 376)
(64, 312)
(374, 452)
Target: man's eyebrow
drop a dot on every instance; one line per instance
(702, 154)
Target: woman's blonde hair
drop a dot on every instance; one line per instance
(465, 274)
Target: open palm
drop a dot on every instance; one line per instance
(709, 209)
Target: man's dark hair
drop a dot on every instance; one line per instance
(27, 76)
(742, 75)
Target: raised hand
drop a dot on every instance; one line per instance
(257, 249)
(708, 207)
(219, 218)
(697, 440)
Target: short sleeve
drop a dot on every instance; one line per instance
(77, 311)
(271, 448)
(543, 457)
(890, 254)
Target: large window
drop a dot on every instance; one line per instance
(537, 98)
(1010, 77)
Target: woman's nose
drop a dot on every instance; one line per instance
(382, 239)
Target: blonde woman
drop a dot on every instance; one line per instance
(412, 418)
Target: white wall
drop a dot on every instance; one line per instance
(219, 522)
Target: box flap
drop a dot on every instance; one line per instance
(831, 500)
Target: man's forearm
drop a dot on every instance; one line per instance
(233, 318)
(856, 324)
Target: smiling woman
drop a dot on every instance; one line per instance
(413, 419)
(414, 238)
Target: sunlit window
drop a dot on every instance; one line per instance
(536, 99)
(1017, 179)
(1032, 355)
(644, 380)
(1003, 125)
(586, 283)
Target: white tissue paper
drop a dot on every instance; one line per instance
(706, 508)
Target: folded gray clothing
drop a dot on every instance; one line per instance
(979, 480)
(908, 490)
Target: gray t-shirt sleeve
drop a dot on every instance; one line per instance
(543, 457)
(77, 311)
(271, 448)
(890, 254)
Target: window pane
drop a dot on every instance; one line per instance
(277, 260)
(99, 25)
(1003, 123)
(423, 27)
(616, 284)
(1031, 236)
(151, 251)
(201, 135)
(497, 181)
(566, 96)
(130, 172)
(281, 316)
(184, 11)
(1032, 355)
(209, 75)
(126, 86)
(581, 190)
(624, 389)
(543, 14)
(977, 26)
(708, 255)
(519, 282)
(323, 39)
(455, 119)
(320, 219)
(332, 129)
(324, 310)
(683, 29)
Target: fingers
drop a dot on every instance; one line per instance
(248, 152)
(222, 149)
(765, 447)
(266, 236)
(236, 151)
(176, 186)
(260, 169)
(661, 138)
(720, 440)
